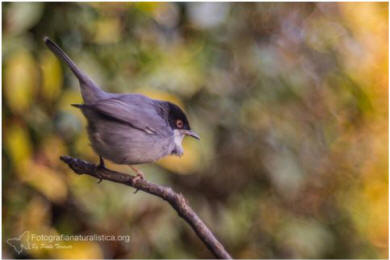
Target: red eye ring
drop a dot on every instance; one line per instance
(179, 123)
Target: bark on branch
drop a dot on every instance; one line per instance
(176, 200)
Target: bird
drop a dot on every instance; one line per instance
(131, 128)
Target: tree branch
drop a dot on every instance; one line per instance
(176, 200)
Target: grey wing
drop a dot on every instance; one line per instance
(141, 116)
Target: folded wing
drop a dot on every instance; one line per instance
(143, 116)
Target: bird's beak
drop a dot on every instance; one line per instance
(191, 133)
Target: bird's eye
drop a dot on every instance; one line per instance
(179, 123)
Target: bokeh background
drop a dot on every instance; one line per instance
(290, 101)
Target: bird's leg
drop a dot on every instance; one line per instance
(101, 163)
(139, 175)
(100, 166)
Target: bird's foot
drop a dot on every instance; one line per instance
(138, 176)
(99, 167)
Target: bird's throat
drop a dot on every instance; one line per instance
(178, 143)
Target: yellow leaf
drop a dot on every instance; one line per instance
(36, 215)
(78, 250)
(51, 76)
(45, 180)
(107, 30)
(52, 148)
(20, 81)
(71, 97)
(147, 7)
(18, 144)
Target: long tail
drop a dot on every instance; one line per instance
(89, 89)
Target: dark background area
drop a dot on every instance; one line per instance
(290, 101)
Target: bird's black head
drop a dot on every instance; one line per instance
(176, 117)
(178, 120)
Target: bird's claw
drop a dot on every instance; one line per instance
(139, 176)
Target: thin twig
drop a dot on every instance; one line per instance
(176, 200)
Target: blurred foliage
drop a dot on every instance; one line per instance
(290, 100)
